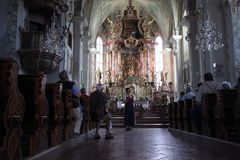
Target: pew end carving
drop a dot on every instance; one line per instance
(56, 116)
(12, 106)
(35, 126)
(68, 114)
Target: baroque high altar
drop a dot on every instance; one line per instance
(130, 54)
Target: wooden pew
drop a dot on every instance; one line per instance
(180, 114)
(170, 111)
(196, 117)
(186, 115)
(56, 109)
(175, 115)
(209, 102)
(68, 114)
(34, 126)
(227, 100)
(11, 111)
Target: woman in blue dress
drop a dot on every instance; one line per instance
(129, 118)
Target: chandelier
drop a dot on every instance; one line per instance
(209, 38)
(52, 41)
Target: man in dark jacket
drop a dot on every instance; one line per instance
(98, 111)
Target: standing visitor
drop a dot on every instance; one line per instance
(67, 84)
(99, 112)
(84, 100)
(129, 118)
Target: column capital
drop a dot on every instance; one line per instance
(234, 5)
(177, 37)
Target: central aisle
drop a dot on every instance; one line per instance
(151, 144)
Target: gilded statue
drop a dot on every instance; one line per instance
(98, 75)
(115, 28)
(146, 27)
(111, 26)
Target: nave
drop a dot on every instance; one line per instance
(144, 144)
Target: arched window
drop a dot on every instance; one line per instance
(158, 60)
(99, 55)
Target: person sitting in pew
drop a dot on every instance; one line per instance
(181, 95)
(208, 86)
(188, 93)
(226, 85)
(237, 86)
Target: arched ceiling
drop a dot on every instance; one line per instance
(160, 10)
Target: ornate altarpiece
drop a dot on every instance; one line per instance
(130, 54)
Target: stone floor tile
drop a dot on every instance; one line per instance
(150, 144)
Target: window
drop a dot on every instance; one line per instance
(158, 60)
(99, 55)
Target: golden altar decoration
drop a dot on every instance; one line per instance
(130, 54)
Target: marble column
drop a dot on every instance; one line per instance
(232, 18)
(179, 61)
(191, 22)
(148, 66)
(8, 30)
(104, 65)
(92, 68)
(113, 65)
(76, 50)
(85, 70)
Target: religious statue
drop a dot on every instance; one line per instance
(146, 28)
(115, 28)
(109, 76)
(153, 76)
(166, 76)
(111, 27)
(99, 75)
(162, 77)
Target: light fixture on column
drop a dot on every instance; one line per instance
(209, 38)
(235, 5)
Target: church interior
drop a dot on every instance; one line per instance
(156, 48)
